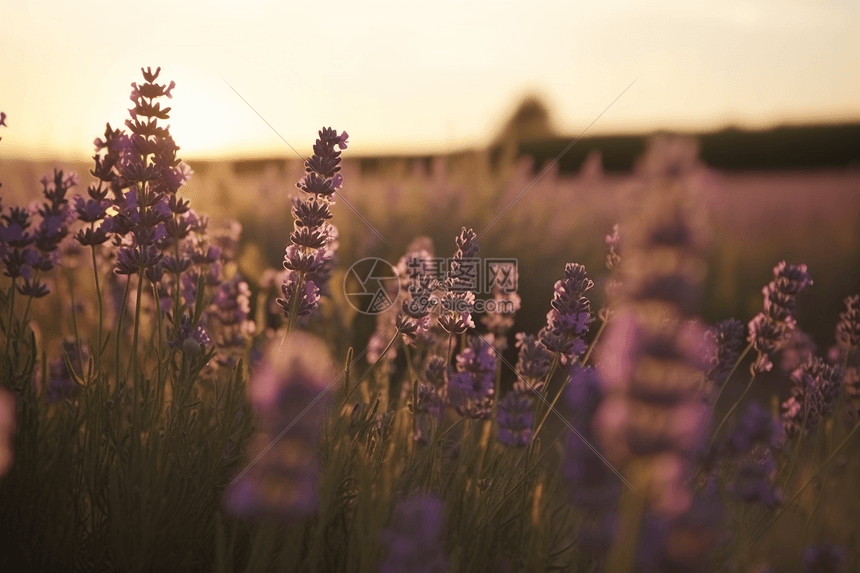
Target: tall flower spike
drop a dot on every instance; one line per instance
(727, 340)
(283, 481)
(652, 419)
(848, 327)
(814, 390)
(570, 316)
(471, 385)
(310, 256)
(533, 364)
(769, 330)
(460, 284)
(515, 415)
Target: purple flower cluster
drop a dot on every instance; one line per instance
(570, 316)
(415, 541)
(283, 479)
(769, 330)
(514, 419)
(230, 309)
(25, 250)
(310, 256)
(751, 447)
(431, 397)
(411, 318)
(613, 241)
(533, 364)
(61, 384)
(458, 300)
(727, 341)
(143, 173)
(652, 419)
(814, 390)
(848, 327)
(471, 384)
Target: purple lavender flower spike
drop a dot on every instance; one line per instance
(515, 415)
(769, 330)
(653, 417)
(815, 388)
(313, 243)
(570, 316)
(533, 364)
(283, 481)
(61, 386)
(471, 385)
(727, 340)
(415, 540)
(848, 327)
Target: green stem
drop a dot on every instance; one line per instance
(372, 366)
(98, 349)
(9, 320)
(594, 342)
(732, 409)
(134, 367)
(791, 502)
(118, 334)
(29, 299)
(731, 372)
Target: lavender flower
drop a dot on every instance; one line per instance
(471, 385)
(231, 309)
(310, 256)
(727, 340)
(848, 327)
(570, 316)
(797, 349)
(460, 283)
(7, 425)
(533, 364)
(653, 418)
(282, 482)
(750, 447)
(613, 241)
(415, 541)
(815, 388)
(61, 384)
(27, 253)
(515, 415)
(768, 330)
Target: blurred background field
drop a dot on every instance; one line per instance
(787, 194)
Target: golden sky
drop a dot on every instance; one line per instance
(417, 76)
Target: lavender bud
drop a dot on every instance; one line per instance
(515, 415)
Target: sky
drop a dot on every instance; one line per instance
(407, 77)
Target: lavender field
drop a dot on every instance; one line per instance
(461, 363)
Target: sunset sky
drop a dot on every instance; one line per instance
(409, 76)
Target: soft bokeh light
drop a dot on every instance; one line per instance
(420, 77)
